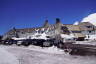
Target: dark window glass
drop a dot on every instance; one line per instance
(89, 31)
(89, 26)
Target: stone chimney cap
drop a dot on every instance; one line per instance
(46, 24)
(57, 20)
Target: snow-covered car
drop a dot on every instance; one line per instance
(8, 42)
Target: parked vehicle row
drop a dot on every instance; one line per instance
(27, 42)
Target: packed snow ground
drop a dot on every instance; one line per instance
(7, 57)
(51, 50)
(37, 55)
(86, 42)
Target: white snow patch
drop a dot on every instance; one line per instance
(76, 23)
(52, 50)
(42, 36)
(91, 42)
(91, 37)
(18, 38)
(71, 36)
(7, 58)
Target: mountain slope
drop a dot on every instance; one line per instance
(90, 18)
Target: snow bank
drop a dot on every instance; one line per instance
(71, 36)
(86, 42)
(51, 50)
(91, 37)
(7, 58)
(27, 56)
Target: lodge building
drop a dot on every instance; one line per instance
(81, 31)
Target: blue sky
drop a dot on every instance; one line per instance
(32, 13)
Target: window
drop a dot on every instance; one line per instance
(48, 36)
(76, 31)
(89, 31)
(23, 32)
(38, 35)
(89, 26)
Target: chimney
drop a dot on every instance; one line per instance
(58, 26)
(46, 24)
(58, 21)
